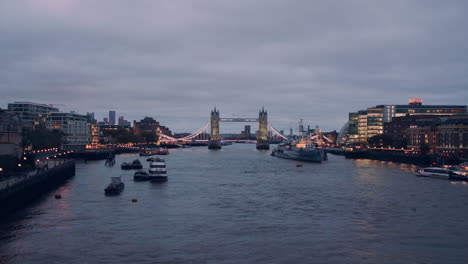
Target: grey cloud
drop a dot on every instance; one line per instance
(175, 60)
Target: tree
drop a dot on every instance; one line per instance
(424, 148)
(150, 137)
(126, 137)
(42, 138)
(403, 143)
(380, 141)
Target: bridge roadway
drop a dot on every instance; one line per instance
(237, 119)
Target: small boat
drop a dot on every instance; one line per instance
(164, 151)
(460, 172)
(157, 171)
(150, 159)
(135, 165)
(146, 152)
(458, 176)
(434, 172)
(140, 176)
(115, 187)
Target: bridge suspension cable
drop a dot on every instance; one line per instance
(276, 132)
(189, 137)
(314, 136)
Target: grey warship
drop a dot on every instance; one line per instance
(302, 151)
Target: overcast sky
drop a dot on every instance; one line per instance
(175, 60)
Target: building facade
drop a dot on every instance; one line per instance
(10, 134)
(371, 122)
(149, 125)
(31, 114)
(76, 129)
(112, 117)
(452, 137)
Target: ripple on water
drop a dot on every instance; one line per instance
(244, 206)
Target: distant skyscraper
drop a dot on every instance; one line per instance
(106, 120)
(247, 130)
(90, 116)
(112, 117)
(301, 127)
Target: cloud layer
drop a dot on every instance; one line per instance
(175, 60)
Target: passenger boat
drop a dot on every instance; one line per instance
(115, 187)
(434, 172)
(135, 165)
(140, 176)
(157, 171)
(304, 150)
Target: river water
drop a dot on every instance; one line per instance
(240, 205)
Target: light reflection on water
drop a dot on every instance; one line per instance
(239, 205)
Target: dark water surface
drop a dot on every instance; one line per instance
(239, 205)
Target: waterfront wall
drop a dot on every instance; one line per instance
(395, 156)
(26, 190)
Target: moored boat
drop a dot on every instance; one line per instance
(304, 150)
(135, 165)
(140, 176)
(115, 187)
(162, 151)
(434, 172)
(157, 171)
(146, 152)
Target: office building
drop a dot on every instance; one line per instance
(10, 134)
(90, 116)
(112, 117)
(123, 122)
(31, 114)
(149, 125)
(76, 129)
(370, 122)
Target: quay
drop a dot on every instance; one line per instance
(394, 155)
(19, 190)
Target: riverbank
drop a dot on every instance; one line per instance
(18, 191)
(394, 155)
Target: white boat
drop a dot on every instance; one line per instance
(434, 172)
(157, 171)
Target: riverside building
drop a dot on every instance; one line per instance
(31, 114)
(370, 122)
(76, 129)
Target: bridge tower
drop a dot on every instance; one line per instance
(262, 139)
(215, 140)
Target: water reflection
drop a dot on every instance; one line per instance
(242, 205)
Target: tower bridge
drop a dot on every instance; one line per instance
(215, 139)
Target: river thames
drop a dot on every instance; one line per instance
(240, 205)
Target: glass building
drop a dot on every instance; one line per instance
(370, 122)
(76, 128)
(31, 114)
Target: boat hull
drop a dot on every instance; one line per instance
(158, 178)
(311, 156)
(114, 190)
(140, 177)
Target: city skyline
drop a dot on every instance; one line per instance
(176, 61)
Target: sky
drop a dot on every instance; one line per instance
(176, 60)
